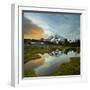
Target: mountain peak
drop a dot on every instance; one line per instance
(56, 38)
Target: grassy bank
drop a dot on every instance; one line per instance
(69, 68)
(29, 73)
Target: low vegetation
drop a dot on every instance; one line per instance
(69, 68)
(29, 73)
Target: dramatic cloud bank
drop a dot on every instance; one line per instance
(31, 30)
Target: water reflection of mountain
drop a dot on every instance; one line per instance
(58, 52)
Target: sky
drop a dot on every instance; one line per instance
(38, 25)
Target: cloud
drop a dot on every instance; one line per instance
(63, 24)
(31, 30)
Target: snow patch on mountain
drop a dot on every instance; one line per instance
(56, 38)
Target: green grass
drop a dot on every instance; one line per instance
(29, 73)
(31, 53)
(69, 68)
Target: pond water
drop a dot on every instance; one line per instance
(49, 62)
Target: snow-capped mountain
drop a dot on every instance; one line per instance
(56, 38)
